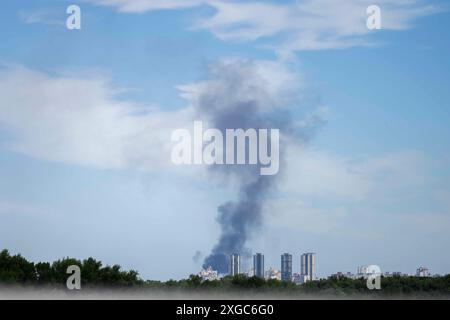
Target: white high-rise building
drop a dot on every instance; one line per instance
(235, 264)
(308, 267)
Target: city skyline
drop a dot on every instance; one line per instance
(307, 269)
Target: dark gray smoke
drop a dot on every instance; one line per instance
(243, 95)
(238, 220)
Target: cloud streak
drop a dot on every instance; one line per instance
(294, 25)
(140, 6)
(46, 17)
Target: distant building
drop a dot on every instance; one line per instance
(209, 274)
(337, 275)
(423, 272)
(308, 266)
(250, 273)
(273, 274)
(258, 265)
(286, 267)
(235, 264)
(297, 278)
(368, 271)
(362, 271)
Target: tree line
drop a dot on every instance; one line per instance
(15, 269)
(395, 285)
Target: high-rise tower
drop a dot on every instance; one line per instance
(308, 266)
(258, 265)
(235, 264)
(286, 267)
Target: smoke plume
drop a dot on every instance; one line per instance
(243, 95)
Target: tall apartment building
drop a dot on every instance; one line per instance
(235, 264)
(286, 267)
(308, 266)
(258, 265)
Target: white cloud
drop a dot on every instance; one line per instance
(302, 24)
(322, 192)
(81, 121)
(310, 24)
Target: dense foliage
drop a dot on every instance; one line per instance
(17, 270)
(397, 285)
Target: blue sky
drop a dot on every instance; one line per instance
(372, 187)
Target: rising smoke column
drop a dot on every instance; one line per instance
(238, 219)
(243, 95)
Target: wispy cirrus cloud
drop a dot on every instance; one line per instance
(140, 6)
(43, 16)
(293, 25)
